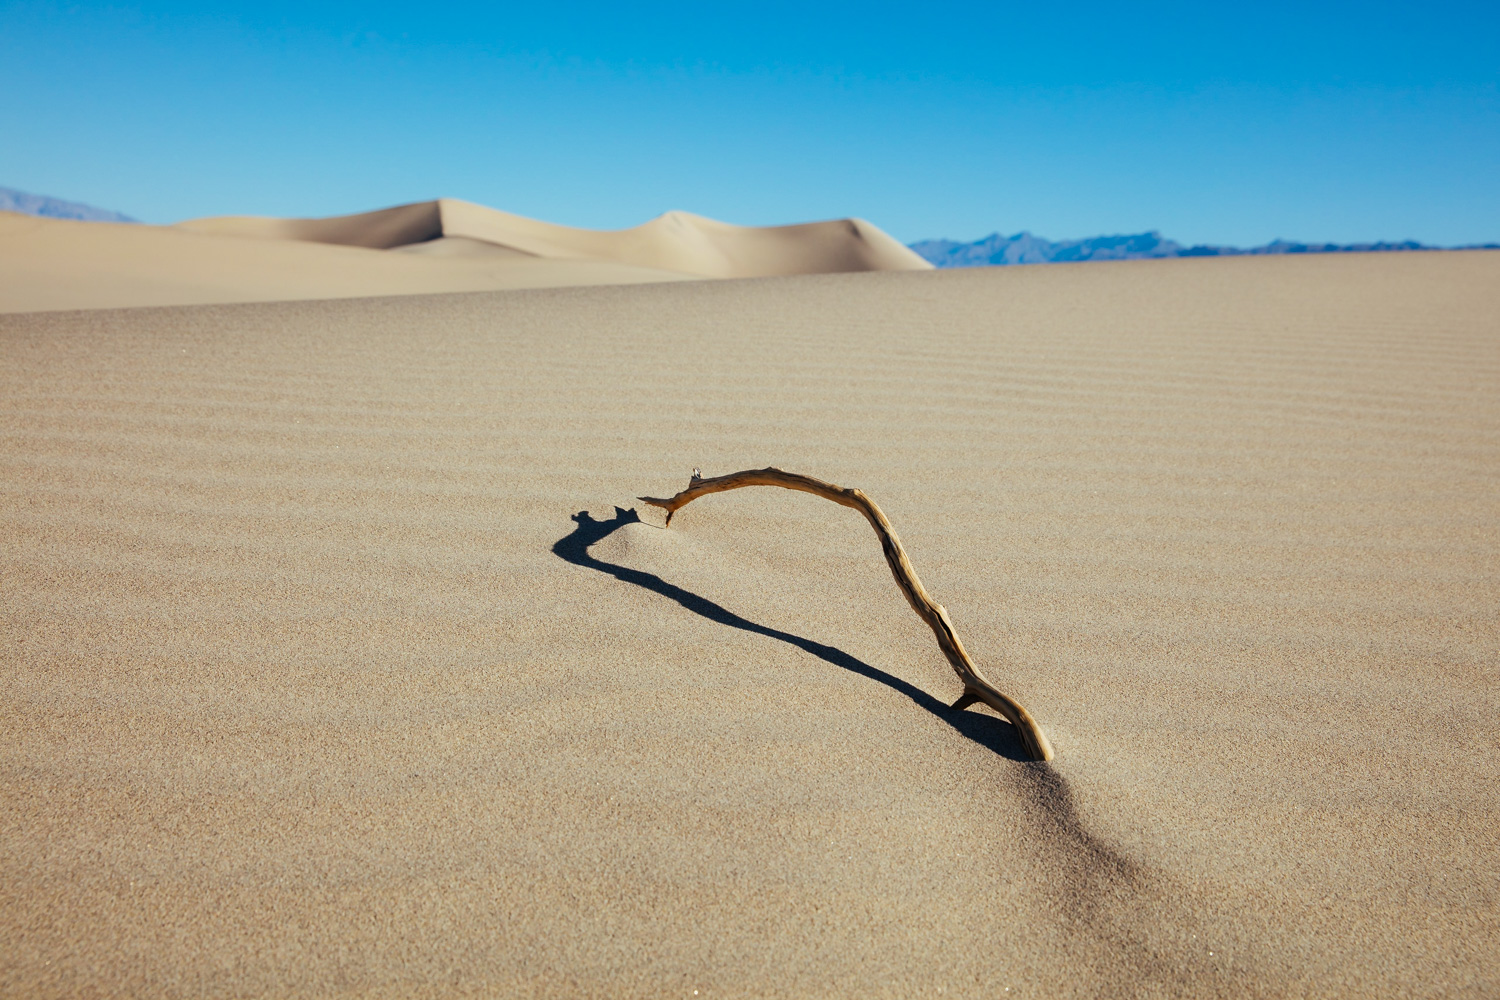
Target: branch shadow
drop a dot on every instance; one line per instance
(988, 731)
(1099, 893)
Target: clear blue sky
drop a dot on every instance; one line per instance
(1212, 122)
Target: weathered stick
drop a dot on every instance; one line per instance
(976, 687)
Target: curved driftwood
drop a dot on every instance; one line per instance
(976, 687)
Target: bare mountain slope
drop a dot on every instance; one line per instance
(48, 207)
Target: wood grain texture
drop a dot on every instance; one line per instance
(977, 688)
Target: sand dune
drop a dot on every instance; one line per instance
(336, 663)
(48, 264)
(675, 241)
(439, 246)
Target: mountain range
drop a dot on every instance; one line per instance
(12, 200)
(1026, 248)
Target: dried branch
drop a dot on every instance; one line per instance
(976, 687)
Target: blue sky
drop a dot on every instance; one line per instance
(1220, 123)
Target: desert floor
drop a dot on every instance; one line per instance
(339, 659)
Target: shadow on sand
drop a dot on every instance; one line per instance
(1099, 894)
(986, 730)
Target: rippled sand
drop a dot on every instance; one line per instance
(336, 662)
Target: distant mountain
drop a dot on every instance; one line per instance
(55, 208)
(1024, 248)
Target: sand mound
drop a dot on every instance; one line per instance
(48, 264)
(675, 241)
(436, 246)
(335, 663)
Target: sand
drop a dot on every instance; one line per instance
(335, 663)
(438, 246)
(674, 241)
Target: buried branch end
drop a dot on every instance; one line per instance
(1035, 741)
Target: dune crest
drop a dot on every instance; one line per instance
(60, 264)
(420, 249)
(674, 241)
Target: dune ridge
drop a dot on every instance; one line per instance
(55, 264)
(424, 248)
(673, 241)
